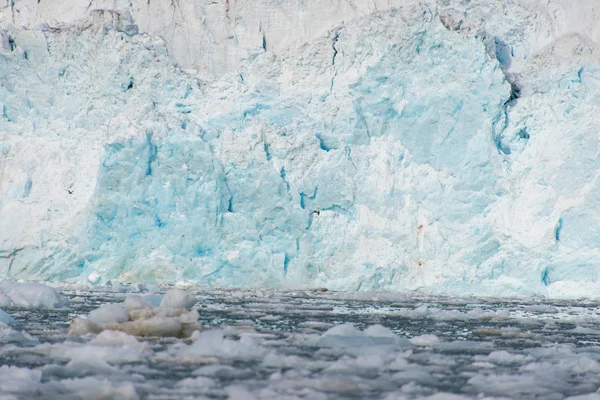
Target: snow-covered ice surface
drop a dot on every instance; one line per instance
(449, 147)
(272, 344)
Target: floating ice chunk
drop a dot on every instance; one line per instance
(94, 278)
(8, 335)
(212, 343)
(541, 308)
(317, 324)
(483, 364)
(275, 360)
(83, 326)
(346, 329)
(379, 331)
(504, 357)
(199, 382)
(365, 366)
(124, 354)
(146, 313)
(19, 380)
(419, 376)
(590, 396)
(177, 298)
(395, 396)
(223, 372)
(30, 296)
(346, 335)
(238, 393)
(425, 340)
(81, 365)
(153, 298)
(398, 364)
(583, 330)
(6, 318)
(141, 320)
(91, 388)
(446, 396)
(109, 313)
(135, 302)
(118, 339)
(156, 326)
(5, 301)
(514, 385)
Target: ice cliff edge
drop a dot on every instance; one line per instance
(448, 147)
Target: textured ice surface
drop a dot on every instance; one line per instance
(5, 318)
(29, 296)
(447, 147)
(266, 344)
(177, 298)
(138, 317)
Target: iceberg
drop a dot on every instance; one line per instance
(439, 146)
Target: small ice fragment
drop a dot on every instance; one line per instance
(92, 388)
(379, 331)
(425, 340)
(589, 396)
(8, 335)
(5, 301)
(541, 308)
(346, 329)
(347, 335)
(94, 278)
(446, 396)
(199, 382)
(146, 313)
(177, 298)
(109, 313)
(213, 343)
(83, 326)
(156, 326)
(504, 357)
(135, 302)
(153, 299)
(117, 339)
(19, 380)
(239, 393)
(5, 318)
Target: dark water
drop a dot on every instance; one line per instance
(271, 346)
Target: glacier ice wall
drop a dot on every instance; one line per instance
(447, 147)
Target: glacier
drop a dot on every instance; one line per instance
(446, 147)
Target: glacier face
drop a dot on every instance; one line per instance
(448, 147)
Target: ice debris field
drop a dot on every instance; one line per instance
(446, 147)
(126, 342)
